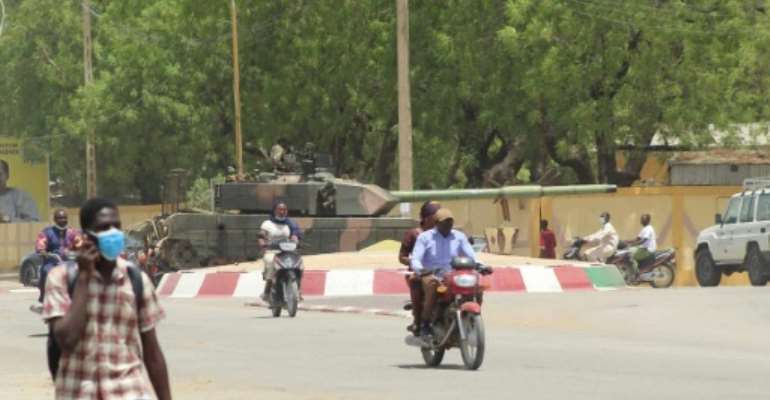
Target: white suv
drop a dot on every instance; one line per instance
(740, 241)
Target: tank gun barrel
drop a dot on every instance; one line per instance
(411, 196)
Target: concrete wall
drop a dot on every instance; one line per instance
(18, 240)
(678, 214)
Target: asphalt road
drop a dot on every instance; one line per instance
(630, 344)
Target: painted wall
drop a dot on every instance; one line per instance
(18, 240)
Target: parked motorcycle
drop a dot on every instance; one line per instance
(457, 319)
(285, 291)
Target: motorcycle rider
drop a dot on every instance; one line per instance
(605, 241)
(427, 222)
(644, 245)
(431, 259)
(278, 227)
(55, 239)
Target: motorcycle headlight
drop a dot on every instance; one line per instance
(288, 245)
(466, 280)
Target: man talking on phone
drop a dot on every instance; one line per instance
(105, 332)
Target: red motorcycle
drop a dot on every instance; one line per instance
(457, 318)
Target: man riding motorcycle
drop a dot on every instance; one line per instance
(277, 228)
(55, 239)
(431, 259)
(645, 244)
(605, 241)
(427, 222)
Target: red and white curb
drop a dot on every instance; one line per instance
(524, 279)
(344, 309)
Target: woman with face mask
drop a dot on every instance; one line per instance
(278, 227)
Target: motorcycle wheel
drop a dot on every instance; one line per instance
(276, 298)
(28, 274)
(472, 348)
(291, 295)
(664, 276)
(432, 357)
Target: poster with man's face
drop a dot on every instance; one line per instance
(23, 184)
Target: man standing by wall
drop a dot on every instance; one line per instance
(547, 241)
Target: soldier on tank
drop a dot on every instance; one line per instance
(326, 200)
(279, 153)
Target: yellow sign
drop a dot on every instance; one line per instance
(23, 184)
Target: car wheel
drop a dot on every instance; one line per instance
(706, 271)
(755, 264)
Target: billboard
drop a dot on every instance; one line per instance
(23, 184)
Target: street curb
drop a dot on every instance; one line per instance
(520, 279)
(342, 309)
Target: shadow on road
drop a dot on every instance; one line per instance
(38, 335)
(451, 367)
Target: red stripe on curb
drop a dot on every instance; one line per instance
(505, 280)
(571, 278)
(389, 282)
(219, 284)
(313, 282)
(169, 284)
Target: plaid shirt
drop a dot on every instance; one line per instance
(107, 361)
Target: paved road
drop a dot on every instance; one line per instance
(634, 344)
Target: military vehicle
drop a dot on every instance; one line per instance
(335, 215)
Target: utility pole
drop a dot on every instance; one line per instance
(88, 71)
(404, 102)
(237, 92)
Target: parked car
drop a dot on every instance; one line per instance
(740, 239)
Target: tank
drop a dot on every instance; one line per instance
(335, 215)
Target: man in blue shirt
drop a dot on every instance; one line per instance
(431, 259)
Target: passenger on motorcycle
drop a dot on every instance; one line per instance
(56, 239)
(427, 222)
(432, 257)
(644, 245)
(278, 227)
(605, 241)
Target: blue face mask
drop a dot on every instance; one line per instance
(111, 243)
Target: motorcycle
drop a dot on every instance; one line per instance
(457, 318)
(285, 290)
(29, 272)
(573, 250)
(657, 270)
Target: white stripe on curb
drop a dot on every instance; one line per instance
(349, 283)
(541, 280)
(189, 285)
(249, 285)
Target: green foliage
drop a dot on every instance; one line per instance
(200, 195)
(547, 88)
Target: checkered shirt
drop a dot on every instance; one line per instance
(107, 361)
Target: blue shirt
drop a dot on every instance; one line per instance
(433, 252)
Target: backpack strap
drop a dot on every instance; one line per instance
(137, 284)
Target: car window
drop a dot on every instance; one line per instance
(747, 209)
(731, 215)
(763, 207)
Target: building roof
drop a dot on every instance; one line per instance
(722, 156)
